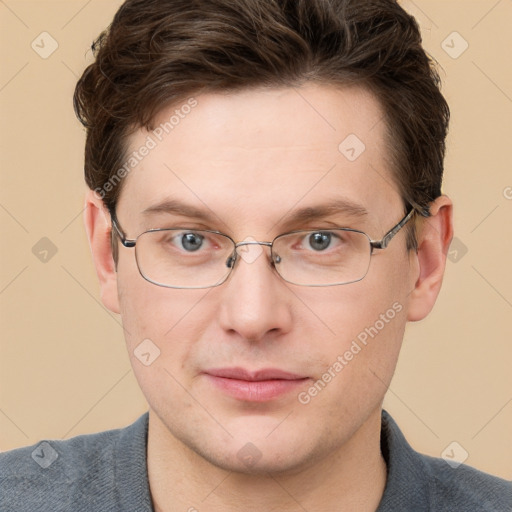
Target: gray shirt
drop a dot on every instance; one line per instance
(107, 472)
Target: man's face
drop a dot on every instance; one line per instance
(250, 160)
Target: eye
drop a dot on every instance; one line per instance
(191, 241)
(320, 240)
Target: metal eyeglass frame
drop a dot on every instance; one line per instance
(230, 263)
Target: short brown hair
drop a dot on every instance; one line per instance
(159, 52)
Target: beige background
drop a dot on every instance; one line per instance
(63, 366)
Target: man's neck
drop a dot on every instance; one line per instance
(351, 478)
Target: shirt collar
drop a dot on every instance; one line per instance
(130, 467)
(407, 485)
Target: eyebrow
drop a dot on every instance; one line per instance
(339, 206)
(175, 207)
(336, 206)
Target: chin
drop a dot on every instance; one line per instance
(250, 460)
(260, 450)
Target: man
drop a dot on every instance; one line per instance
(265, 214)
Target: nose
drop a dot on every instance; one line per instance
(256, 301)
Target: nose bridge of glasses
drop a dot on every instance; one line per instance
(253, 242)
(231, 260)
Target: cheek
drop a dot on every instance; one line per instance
(366, 321)
(347, 311)
(166, 316)
(364, 334)
(147, 310)
(161, 332)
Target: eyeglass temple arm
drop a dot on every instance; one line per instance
(382, 244)
(120, 234)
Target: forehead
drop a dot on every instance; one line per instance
(253, 156)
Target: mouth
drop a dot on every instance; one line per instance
(255, 386)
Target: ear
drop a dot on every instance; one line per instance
(98, 226)
(434, 239)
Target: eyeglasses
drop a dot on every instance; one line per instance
(191, 258)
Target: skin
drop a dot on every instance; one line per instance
(252, 157)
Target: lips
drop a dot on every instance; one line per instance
(254, 386)
(256, 376)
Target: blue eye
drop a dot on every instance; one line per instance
(192, 241)
(320, 241)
